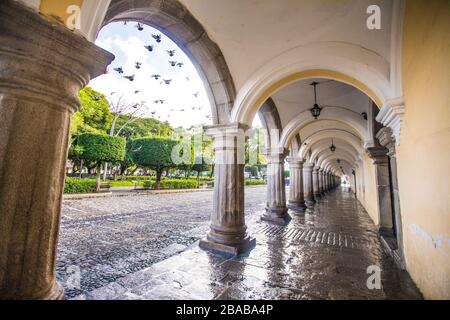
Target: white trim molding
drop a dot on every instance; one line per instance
(92, 15)
(391, 115)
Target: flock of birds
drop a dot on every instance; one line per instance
(157, 77)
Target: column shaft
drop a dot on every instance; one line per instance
(296, 194)
(309, 192)
(43, 66)
(228, 232)
(276, 210)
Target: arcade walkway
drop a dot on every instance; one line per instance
(320, 255)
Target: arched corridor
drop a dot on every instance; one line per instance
(338, 100)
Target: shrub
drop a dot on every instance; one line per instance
(76, 185)
(173, 184)
(255, 182)
(155, 153)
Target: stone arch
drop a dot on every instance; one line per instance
(270, 119)
(354, 120)
(347, 136)
(323, 145)
(345, 62)
(174, 20)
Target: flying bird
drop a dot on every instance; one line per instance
(153, 112)
(113, 92)
(157, 37)
(149, 48)
(156, 76)
(136, 92)
(188, 79)
(138, 65)
(180, 64)
(159, 101)
(173, 63)
(119, 70)
(196, 94)
(171, 52)
(139, 26)
(168, 81)
(131, 78)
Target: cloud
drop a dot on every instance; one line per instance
(127, 44)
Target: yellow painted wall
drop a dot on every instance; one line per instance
(424, 153)
(368, 194)
(57, 9)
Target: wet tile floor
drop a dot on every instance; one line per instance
(322, 254)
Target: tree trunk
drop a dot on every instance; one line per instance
(105, 173)
(158, 179)
(98, 178)
(198, 179)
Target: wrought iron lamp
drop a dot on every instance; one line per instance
(332, 147)
(315, 110)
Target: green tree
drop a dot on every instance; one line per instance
(200, 166)
(94, 114)
(101, 148)
(154, 153)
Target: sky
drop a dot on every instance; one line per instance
(181, 108)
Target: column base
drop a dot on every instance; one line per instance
(310, 203)
(247, 244)
(297, 207)
(57, 293)
(277, 216)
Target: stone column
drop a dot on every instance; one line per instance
(228, 232)
(316, 191)
(296, 199)
(276, 210)
(42, 67)
(386, 139)
(321, 186)
(308, 183)
(381, 162)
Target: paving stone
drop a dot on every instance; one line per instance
(136, 248)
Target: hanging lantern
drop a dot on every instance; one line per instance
(315, 110)
(332, 147)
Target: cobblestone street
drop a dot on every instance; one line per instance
(144, 247)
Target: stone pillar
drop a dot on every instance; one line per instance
(276, 210)
(321, 186)
(228, 232)
(381, 162)
(316, 191)
(42, 67)
(308, 184)
(386, 139)
(296, 199)
(325, 181)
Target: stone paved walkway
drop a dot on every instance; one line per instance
(146, 248)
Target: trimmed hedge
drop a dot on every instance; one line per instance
(76, 185)
(102, 148)
(173, 184)
(255, 182)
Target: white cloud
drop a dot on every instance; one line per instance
(127, 44)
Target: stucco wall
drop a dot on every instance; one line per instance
(367, 194)
(424, 153)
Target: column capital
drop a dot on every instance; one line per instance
(391, 115)
(386, 138)
(52, 55)
(220, 130)
(378, 155)
(295, 161)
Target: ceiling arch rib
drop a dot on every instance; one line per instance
(346, 136)
(324, 145)
(353, 120)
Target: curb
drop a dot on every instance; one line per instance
(131, 193)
